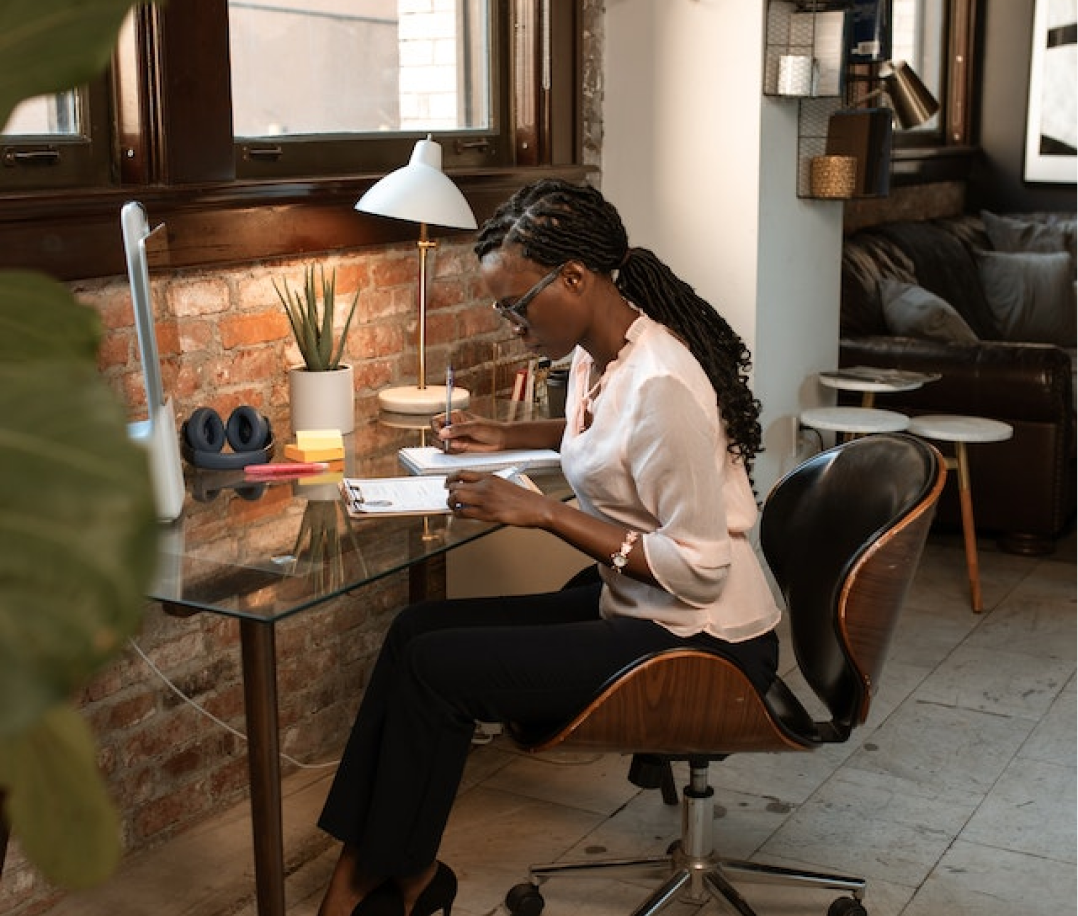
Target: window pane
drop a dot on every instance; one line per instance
(45, 115)
(359, 66)
(917, 38)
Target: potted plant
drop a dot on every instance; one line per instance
(322, 390)
(78, 535)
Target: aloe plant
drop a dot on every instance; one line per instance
(312, 319)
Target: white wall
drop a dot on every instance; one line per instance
(703, 169)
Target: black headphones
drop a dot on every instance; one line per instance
(204, 433)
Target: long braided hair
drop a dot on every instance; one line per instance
(554, 221)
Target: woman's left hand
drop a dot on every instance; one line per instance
(491, 498)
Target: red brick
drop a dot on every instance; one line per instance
(253, 328)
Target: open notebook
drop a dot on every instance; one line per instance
(431, 460)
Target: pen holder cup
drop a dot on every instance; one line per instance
(556, 383)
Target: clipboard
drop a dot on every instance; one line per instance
(416, 495)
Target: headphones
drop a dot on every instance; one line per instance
(204, 433)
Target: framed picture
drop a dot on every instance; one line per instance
(1051, 126)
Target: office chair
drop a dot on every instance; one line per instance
(843, 534)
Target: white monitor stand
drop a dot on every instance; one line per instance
(157, 434)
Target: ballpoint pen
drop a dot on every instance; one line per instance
(448, 403)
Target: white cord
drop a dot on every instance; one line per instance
(209, 715)
(485, 732)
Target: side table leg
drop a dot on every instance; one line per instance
(969, 531)
(259, 649)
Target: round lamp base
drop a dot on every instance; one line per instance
(413, 400)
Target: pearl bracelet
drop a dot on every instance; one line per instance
(619, 560)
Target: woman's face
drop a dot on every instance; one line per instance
(539, 302)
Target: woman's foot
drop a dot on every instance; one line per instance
(433, 890)
(349, 887)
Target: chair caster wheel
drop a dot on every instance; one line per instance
(524, 900)
(847, 906)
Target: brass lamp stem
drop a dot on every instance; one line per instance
(425, 246)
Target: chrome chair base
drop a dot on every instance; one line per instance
(692, 870)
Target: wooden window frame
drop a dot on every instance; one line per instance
(175, 153)
(949, 153)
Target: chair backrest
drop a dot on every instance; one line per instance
(842, 534)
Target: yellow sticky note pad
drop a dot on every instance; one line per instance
(319, 439)
(295, 453)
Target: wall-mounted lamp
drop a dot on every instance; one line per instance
(421, 193)
(911, 101)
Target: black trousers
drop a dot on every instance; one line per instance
(446, 664)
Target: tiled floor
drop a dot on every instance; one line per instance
(957, 798)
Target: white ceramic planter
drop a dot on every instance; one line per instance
(322, 400)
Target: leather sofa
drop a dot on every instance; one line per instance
(893, 278)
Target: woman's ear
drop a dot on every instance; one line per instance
(575, 275)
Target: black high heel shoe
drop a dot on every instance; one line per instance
(438, 895)
(384, 900)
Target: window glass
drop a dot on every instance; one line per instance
(918, 39)
(302, 67)
(45, 115)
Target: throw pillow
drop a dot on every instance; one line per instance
(912, 311)
(1009, 234)
(1031, 296)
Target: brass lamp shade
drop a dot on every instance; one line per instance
(913, 104)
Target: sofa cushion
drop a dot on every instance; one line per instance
(944, 266)
(867, 257)
(1021, 235)
(1056, 222)
(912, 311)
(1031, 295)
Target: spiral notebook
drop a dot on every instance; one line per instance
(431, 460)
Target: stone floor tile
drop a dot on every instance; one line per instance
(996, 681)
(1020, 812)
(974, 880)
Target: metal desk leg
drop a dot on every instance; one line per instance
(259, 649)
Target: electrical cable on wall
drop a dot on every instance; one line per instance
(209, 715)
(485, 732)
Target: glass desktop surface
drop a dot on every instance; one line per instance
(268, 549)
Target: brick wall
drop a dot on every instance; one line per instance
(224, 340)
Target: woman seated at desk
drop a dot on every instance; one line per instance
(658, 442)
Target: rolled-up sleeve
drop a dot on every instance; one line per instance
(673, 458)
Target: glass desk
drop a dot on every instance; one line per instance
(264, 551)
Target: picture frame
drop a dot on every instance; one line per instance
(1050, 153)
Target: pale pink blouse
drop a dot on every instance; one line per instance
(644, 448)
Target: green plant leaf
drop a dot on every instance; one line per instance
(311, 319)
(52, 45)
(56, 801)
(39, 319)
(78, 536)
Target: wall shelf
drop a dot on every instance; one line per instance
(805, 61)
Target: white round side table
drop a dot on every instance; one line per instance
(855, 421)
(871, 381)
(960, 430)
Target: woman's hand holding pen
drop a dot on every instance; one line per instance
(492, 498)
(467, 432)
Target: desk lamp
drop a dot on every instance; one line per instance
(421, 193)
(911, 101)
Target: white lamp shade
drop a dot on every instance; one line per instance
(420, 192)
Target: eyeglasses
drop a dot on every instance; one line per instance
(517, 312)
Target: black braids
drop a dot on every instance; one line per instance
(647, 281)
(554, 221)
